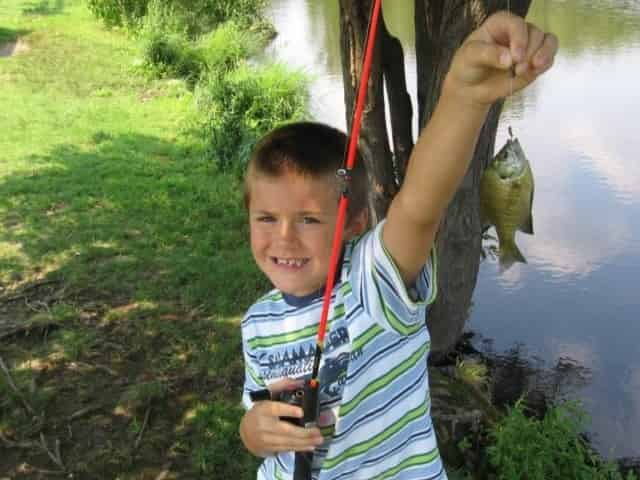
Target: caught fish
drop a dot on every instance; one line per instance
(506, 198)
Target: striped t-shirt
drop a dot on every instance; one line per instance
(374, 392)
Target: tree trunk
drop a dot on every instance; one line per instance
(441, 28)
(388, 64)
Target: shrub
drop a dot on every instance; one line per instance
(118, 12)
(239, 107)
(204, 15)
(228, 46)
(169, 55)
(547, 449)
(193, 16)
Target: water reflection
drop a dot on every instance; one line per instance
(576, 298)
(516, 374)
(601, 26)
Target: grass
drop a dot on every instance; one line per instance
(124, 265)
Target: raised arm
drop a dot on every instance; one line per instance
(480, 74)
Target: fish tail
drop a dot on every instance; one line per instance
(510, 254)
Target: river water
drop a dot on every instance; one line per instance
(573, 308)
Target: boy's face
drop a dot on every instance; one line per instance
(292, 219)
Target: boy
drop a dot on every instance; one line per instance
(374, 404)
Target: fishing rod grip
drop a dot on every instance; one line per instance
(311, 408)
(308, 399)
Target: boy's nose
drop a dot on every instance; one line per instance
(287, 230)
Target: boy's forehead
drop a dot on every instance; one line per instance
(290, 187)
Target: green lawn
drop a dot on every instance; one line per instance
(124, 265)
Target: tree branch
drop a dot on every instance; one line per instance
(400, 108)
(23, 400)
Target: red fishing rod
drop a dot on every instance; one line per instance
(308, 397)
(310, 400)
(350, 160)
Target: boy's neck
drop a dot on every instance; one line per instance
(304, 300)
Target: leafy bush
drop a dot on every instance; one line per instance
(118, 12)
(227, 46)
(552, 448)
(162, 16)
(169, 55)
(193, 17)
(239, 107)
(204, 15)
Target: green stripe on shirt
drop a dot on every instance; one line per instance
(414, 461)
(364, 338)
(398, 325)
(383, 381)
(362, 447)
(280, 338)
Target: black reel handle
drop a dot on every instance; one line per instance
(307, 398)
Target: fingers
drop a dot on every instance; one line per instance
(509, 44)
(482, 54)
(541, 50)
(292, 438)
(284, 385)
(544, 57)
(275, 435)
(280, 409)
(510, 31)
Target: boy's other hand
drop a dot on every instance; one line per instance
(264, 433)
(483, 68)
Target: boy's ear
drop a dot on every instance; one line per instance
(357, 225)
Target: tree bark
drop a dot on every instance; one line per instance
(374, 139)
(441, 27)
(401, 110)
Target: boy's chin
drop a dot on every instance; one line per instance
(297, 290)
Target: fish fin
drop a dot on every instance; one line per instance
(527, 227)
(510, 254)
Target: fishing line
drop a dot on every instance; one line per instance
(513, 66)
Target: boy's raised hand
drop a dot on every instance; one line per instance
(264, 433)
(482, 70)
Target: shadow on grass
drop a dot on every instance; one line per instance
(130, 216)
(44, 7)
(10, 35)
(128, 261)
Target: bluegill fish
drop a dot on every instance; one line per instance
(506, 198)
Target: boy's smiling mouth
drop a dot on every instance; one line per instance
(290, 262)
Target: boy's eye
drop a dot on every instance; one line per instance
(265, 219)
(308, 220)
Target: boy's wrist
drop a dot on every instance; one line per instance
(457, 97)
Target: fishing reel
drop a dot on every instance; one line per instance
(307, 398)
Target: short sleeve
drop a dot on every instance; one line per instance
(252, 380)
(376, 279)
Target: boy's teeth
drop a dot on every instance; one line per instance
(291, 262)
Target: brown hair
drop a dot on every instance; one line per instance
(308, 148)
